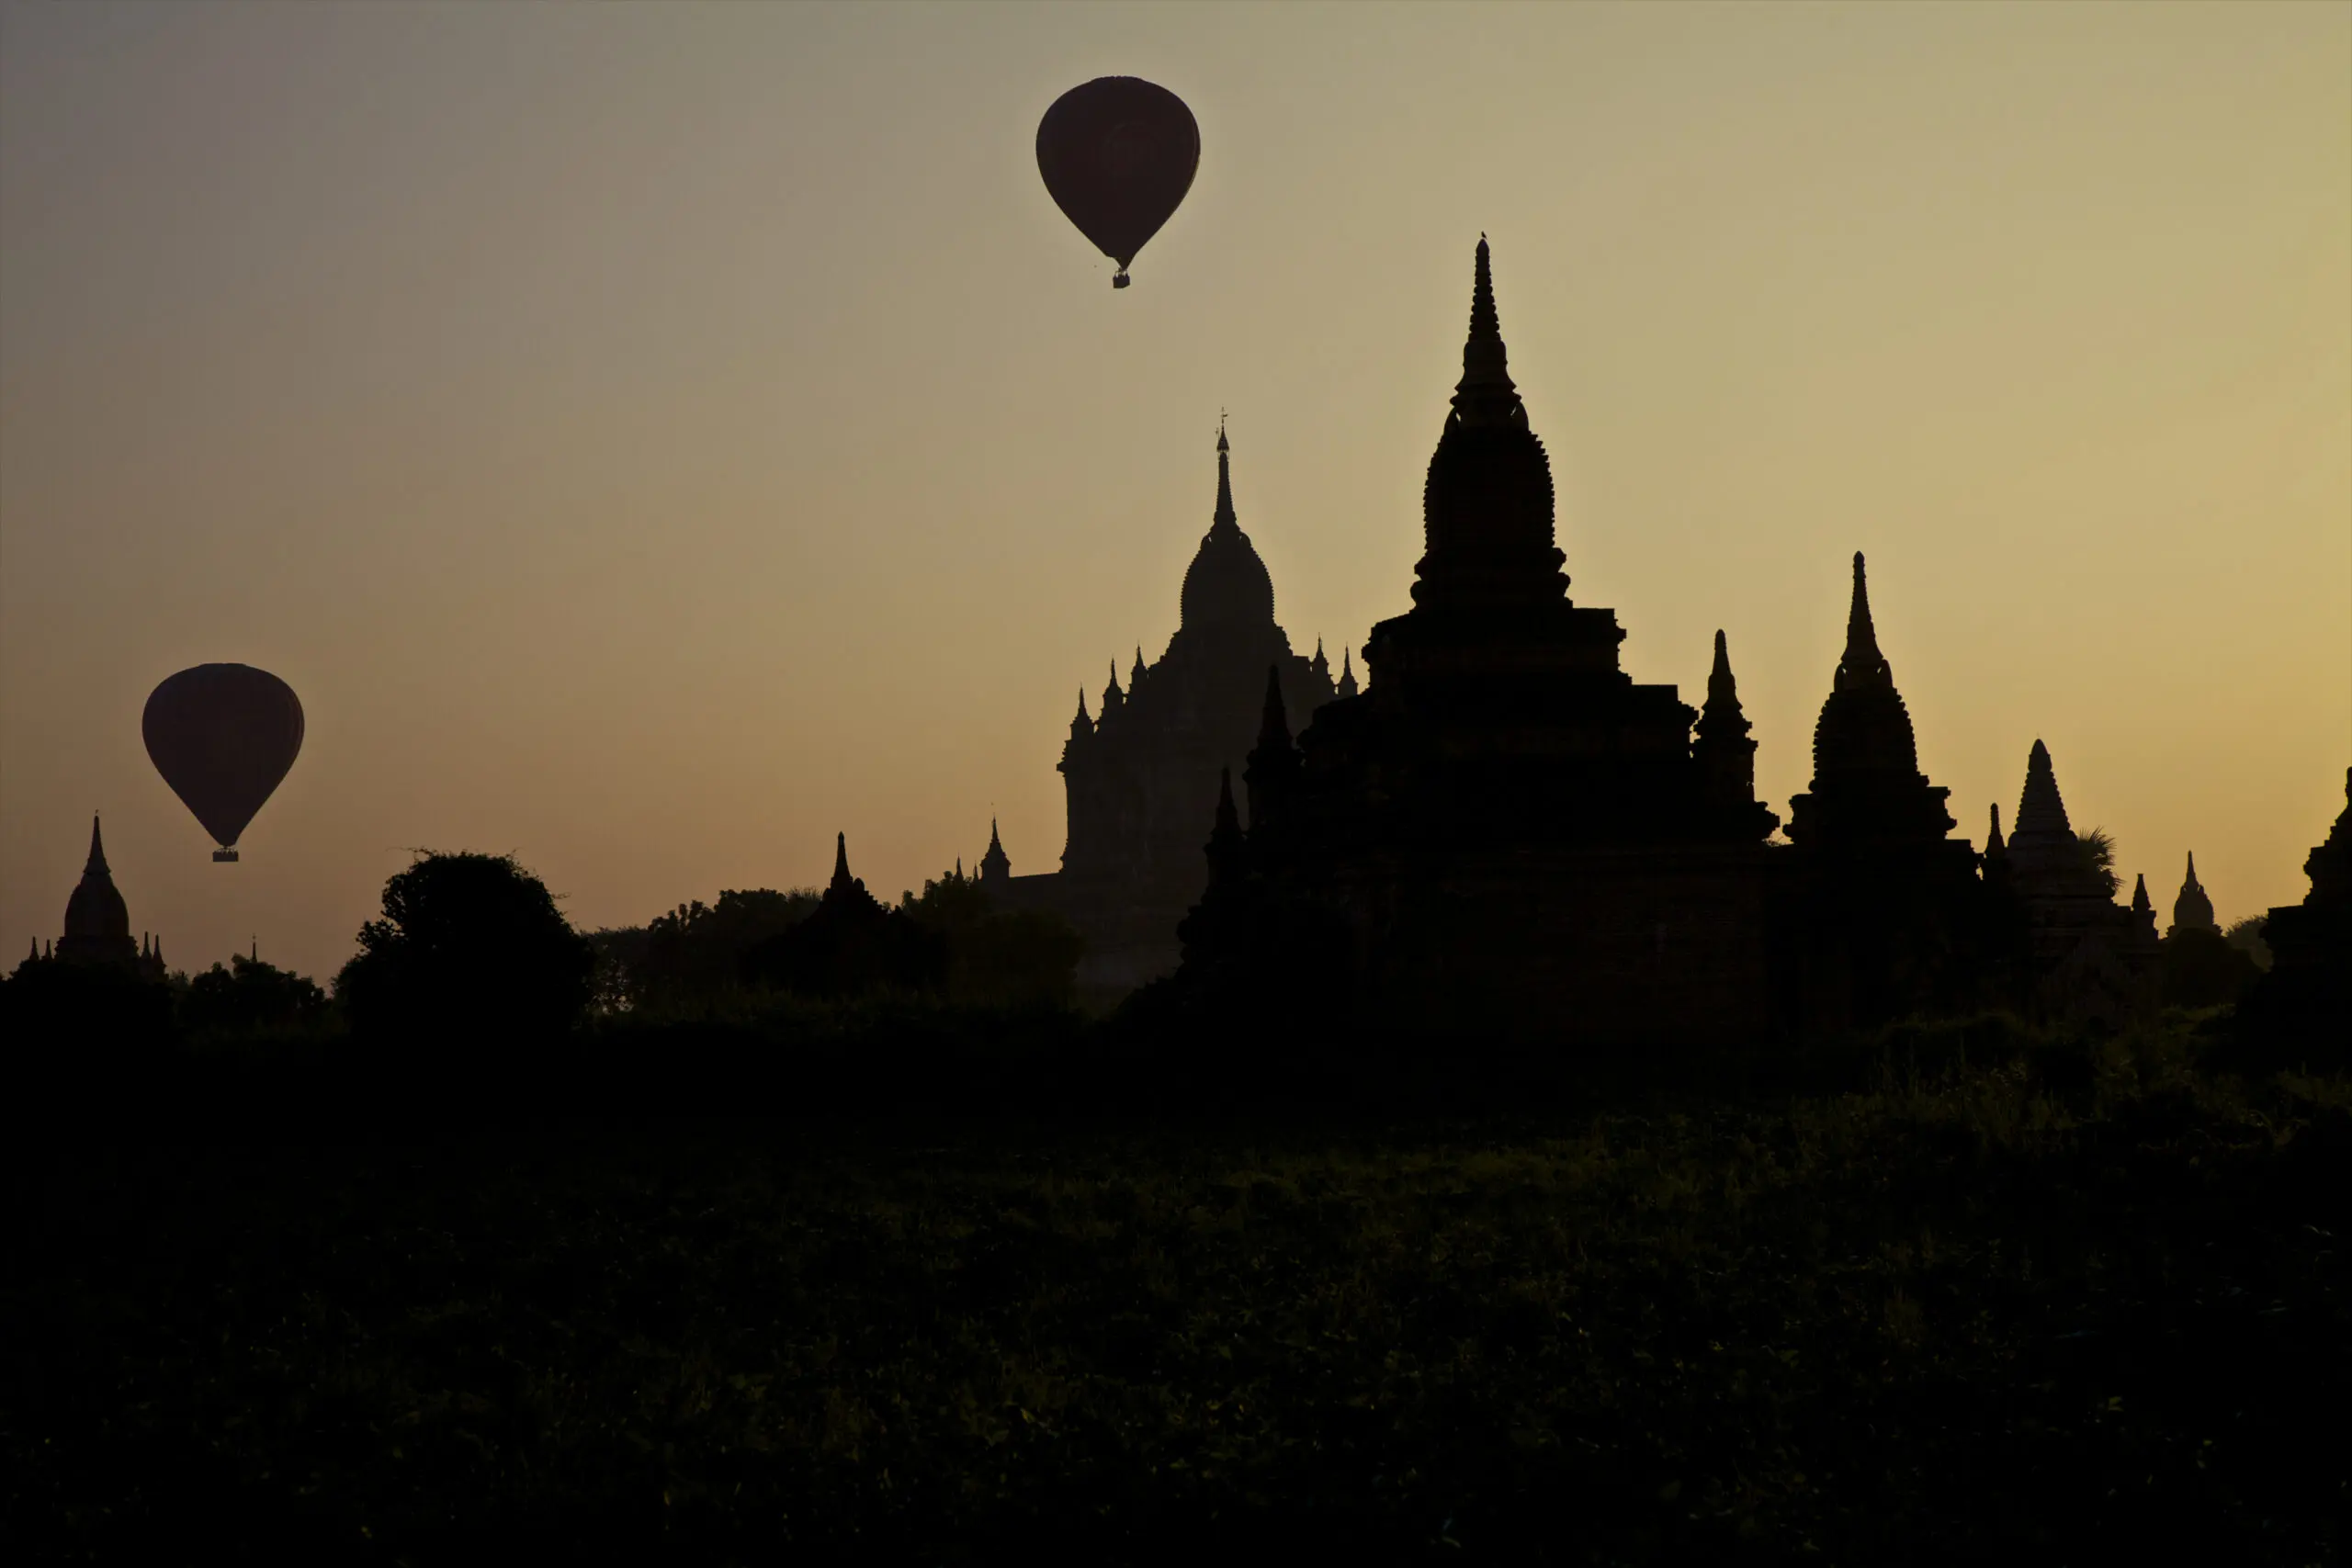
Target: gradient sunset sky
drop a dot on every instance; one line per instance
(651, 438)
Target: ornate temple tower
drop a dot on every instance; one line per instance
(2302, 1008)
(97, 922)
(1503, 832)
(996, 866)
(1142, 777)
(1868, 791)
(1880, 911)
(2093, 960)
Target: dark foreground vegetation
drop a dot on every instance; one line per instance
(912, 1284)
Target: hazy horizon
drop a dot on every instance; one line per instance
(653, 439)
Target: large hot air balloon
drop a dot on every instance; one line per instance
(222, 736)
(1118, 154)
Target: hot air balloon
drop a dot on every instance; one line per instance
(222, 736)
(1118, 155)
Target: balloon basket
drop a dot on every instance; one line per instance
(224, 854)
(1118, 280)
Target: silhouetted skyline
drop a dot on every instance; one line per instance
(653, 440)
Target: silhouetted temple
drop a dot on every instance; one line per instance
(1142, 777)
(97, 921)
(1881, 911)
(2306, 998)
(2192, 910)
(851, 944)
(1503, 831)
(2093, 960)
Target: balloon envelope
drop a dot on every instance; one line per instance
(1117, 155)
(222, 736)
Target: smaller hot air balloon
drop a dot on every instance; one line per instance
(1117, 155)
(222, 736)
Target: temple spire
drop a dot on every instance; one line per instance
(1862, 663)
(843, 882)
(96, 863)
(1722, 747)
(1274, 762)
(1223, 517)
(1081, 724)
(1273, 723)
(1485, 395)
(1993, 845)
(995, 866)
(1347, 674)
(2193, 908)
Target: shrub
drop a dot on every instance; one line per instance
(471, 949)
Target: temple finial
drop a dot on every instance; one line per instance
(1862, 663)
(1721, 687)
(1346, 674)
(1224, 516)
(1484, 394)
(994, 842)
(97, 861)
(840, 859)
(1993, 844)
(1485, 323)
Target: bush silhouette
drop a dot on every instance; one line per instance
(695, 951)
(83, 1018)
(998, 957)
(249, 996)
(2203, 969)
(471, 950)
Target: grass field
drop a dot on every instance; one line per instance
(1963, 1314)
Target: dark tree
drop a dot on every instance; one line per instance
(695, 951)
(2098, 858)
(2201, 969)
(2249, 936)
(998, 957)
(249, 996)
(472, 950)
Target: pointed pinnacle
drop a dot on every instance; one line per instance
(1224, 516)
(1274, 727)
(1484, 394)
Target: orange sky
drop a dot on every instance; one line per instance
(652, 438)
